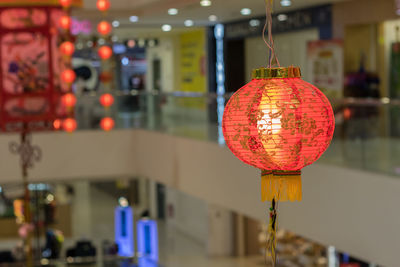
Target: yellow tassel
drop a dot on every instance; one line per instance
(281, 185)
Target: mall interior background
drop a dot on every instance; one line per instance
(166, 155)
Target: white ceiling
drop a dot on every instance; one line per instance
(153, 13)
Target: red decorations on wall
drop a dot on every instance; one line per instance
(279, 124)
(104, 28)
(103, 5)
(68, 76)
(69, 100)
(67, 48)
(65, 22)
(105, 52)
(106, 100)
(107, 124)
(70, 125)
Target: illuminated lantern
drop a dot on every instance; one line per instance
(68, 76)
(103, 5)
(70, 125)
(105, 52)
(69, 100)
(104, 28)
(65, 22)
(106, 100)
(65, 3)
(105, 77)
(279, 124)
(57, 124)
(107, 124)
(67, 48)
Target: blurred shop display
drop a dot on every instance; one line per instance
(325, 66)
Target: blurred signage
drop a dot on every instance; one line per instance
(124, 231)
(77, 3)
(318, 17)
(192, 61)
(325, 65)
(147, 239)
(81, 27)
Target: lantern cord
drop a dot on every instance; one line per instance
(272, 228)
(270, 41)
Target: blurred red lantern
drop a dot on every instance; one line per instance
(103, 5)
(105, 52)
(65, 22)
(67, 48)
(105, 77)
(70, 125)
(57, 124)
(279, 124)
(69, 100)
(106, 100)
(104, 28)
(68, 76)
(107, 124)
(65, 3)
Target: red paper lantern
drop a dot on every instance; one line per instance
(103, 5)
(104, 28)
(70, 125)
(68, 76)
(105, 52)
(107, 124)
(65, 3)
(106, 100)
(65, 22)
(67, 48)
(57, 124)
(69, 100)
(279, 124)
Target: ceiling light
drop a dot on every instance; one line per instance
(131, 43)
(245, 11)
(254, 23)
(115, 23)
(286, 2)
(282, 17)
(166, 27)
(212, 18)
(101, 41)
(188, 23)
(133, 19)
(205, 3)
(172, 11)
(114, 38)
(141, 42)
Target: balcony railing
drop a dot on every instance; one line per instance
(366, 136)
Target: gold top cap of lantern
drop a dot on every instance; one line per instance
(32, 3)
(269, 73)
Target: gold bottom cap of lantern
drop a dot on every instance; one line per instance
(281, 185)
(270, 73)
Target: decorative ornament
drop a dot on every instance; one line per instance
(68, 76)
(104, 28)
(106, 100)
(279, 124)
(65, 3)
(106, 77)
(70, 125)
(107, 124)
(57, 124)
(105, 52)
(69, 100)
(67, 48)
(103, 5)
(65, 22)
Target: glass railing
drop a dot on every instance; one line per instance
(366, 136)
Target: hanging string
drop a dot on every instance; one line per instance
(268, 26)
(272, 228)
